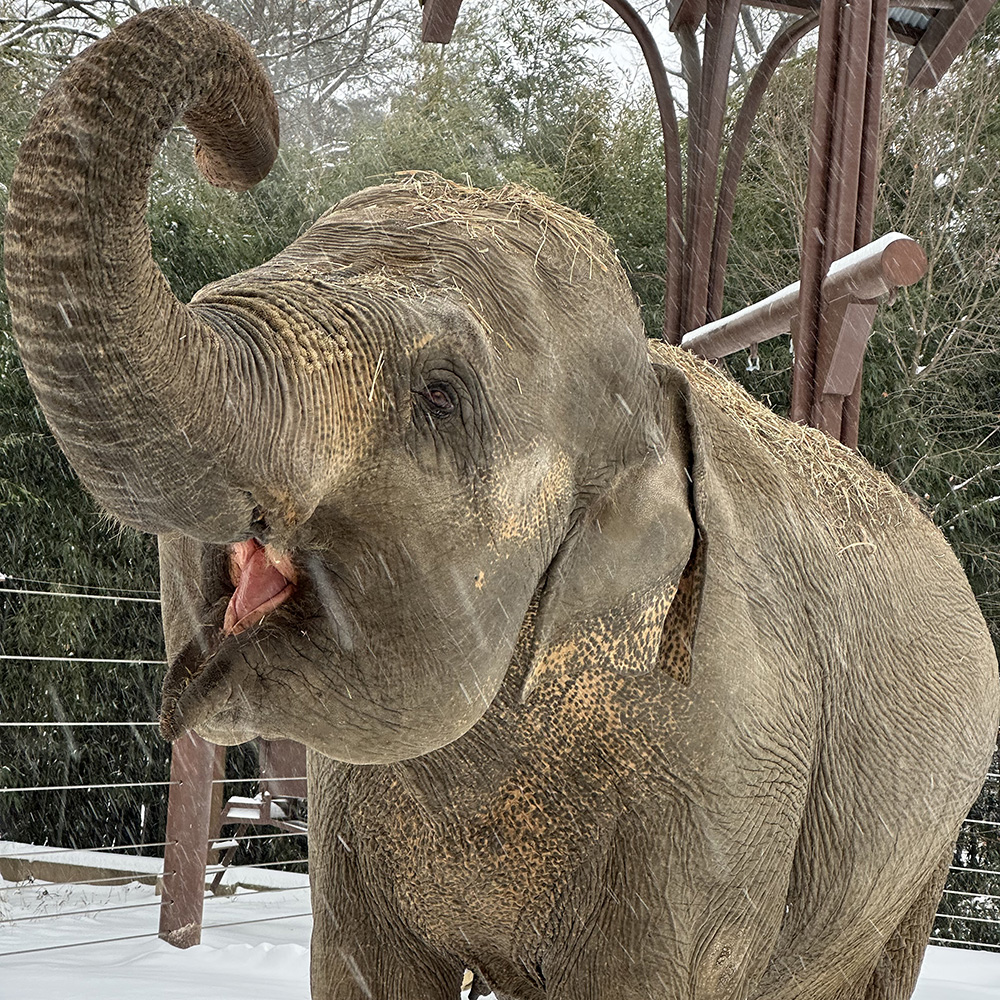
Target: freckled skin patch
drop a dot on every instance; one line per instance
(475, 852)
(677, 637)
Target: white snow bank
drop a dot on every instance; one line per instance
(958, 974)
(253, 944)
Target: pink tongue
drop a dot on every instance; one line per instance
(260, 587)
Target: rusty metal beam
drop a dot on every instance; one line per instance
(686, 13)
(705, 123)
(871, 147)
(439, 18)
(780, 46)
(789, 7)
(189, 816)
(672, 165)
(868, 172)
(283, 768)
(893, 261)
(814, 262)
(944, 40)
(842, 185)
(849, 114)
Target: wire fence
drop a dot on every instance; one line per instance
(71, 900)
(968, 916)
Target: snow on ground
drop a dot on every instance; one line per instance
(236, 960)
(254, 944)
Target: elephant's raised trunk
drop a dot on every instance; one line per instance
(109, 350)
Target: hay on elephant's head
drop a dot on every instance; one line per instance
(519, 220)
(513, 218)
(837, 477)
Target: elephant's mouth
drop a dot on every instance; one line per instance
(206, 677)
(262, 579)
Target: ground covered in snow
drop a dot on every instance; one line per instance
(255, 943)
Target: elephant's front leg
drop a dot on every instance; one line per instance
(663, 918)
(361, 948)
(357, 954)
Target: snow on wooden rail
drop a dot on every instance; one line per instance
(894, 261)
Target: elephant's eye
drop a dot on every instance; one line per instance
(439, 399)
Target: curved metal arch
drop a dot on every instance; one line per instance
(780, 46)
(672, 162)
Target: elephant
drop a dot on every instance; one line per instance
(613, 683)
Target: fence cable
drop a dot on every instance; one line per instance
(126, 878)
(92, 597)
(145, 784)
(163, 843)
(153, 934)
(79, 725)
(964, 945)
(71, 788)
(84, 659)
(975, 871)
(957, 916)
(275, 780)
(974, 895)
(5, 577)
(981, 822)
(209, 897)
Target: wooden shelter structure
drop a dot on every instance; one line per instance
(828, 332)
(829, 311)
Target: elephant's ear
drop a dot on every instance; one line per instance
(624, 590)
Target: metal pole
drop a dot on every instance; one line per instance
(672, 166)
(705, 125)
(189, 813)
(868, 180)
(776, 51)
(815, 262)
(827, 409)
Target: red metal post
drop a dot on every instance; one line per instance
(868, 181)
(780, 46)
(189, 815)
(951, 28)
(439, 17)
(839, 208)
(674, 241)
(705, 121)
(814, 262)
(842, 183)
(283, 768)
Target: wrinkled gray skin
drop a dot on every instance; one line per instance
(614, 684)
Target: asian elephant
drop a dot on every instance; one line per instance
(614, 683)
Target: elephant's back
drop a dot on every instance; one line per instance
(816, 471)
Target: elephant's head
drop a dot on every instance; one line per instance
(426, 431)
